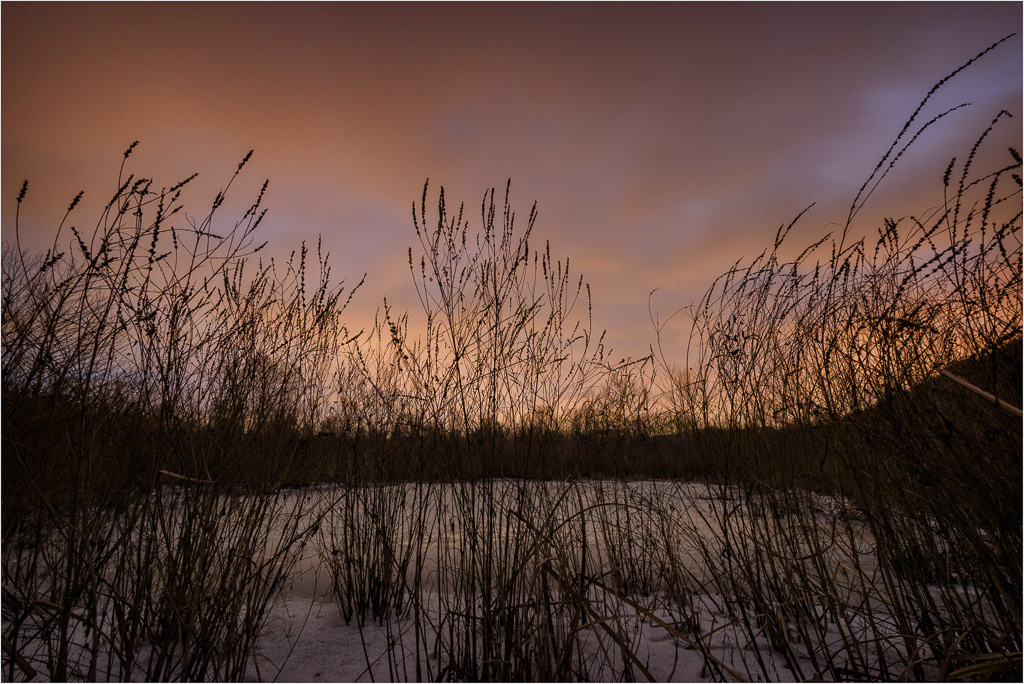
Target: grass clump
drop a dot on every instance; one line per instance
(153, 390)
(885, 372)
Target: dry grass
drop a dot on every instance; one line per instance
(853, 413)
(153, 392)
(896, 364)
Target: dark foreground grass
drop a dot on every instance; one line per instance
(853, 414)
(894, 364)
(153, 388)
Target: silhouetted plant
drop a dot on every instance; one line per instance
(845, 367)
(153, 393)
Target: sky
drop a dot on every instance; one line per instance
(660, 142)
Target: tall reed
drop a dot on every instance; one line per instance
(490, 575)
(885, 371)
(154, 387)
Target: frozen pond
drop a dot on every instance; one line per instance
(424, 524)
(416, 526)
(653, 550)
(592, 579)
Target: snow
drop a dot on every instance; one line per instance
(306, 638)
(634, 633)
(308, 641)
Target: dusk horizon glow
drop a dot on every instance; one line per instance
(661, 143)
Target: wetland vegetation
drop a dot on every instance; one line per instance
(827, 486)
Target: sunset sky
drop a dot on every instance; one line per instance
(661, 142)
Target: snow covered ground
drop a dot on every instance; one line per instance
(594, 580)
(633, 637)
(308, 641)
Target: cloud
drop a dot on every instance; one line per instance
(660, 142)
